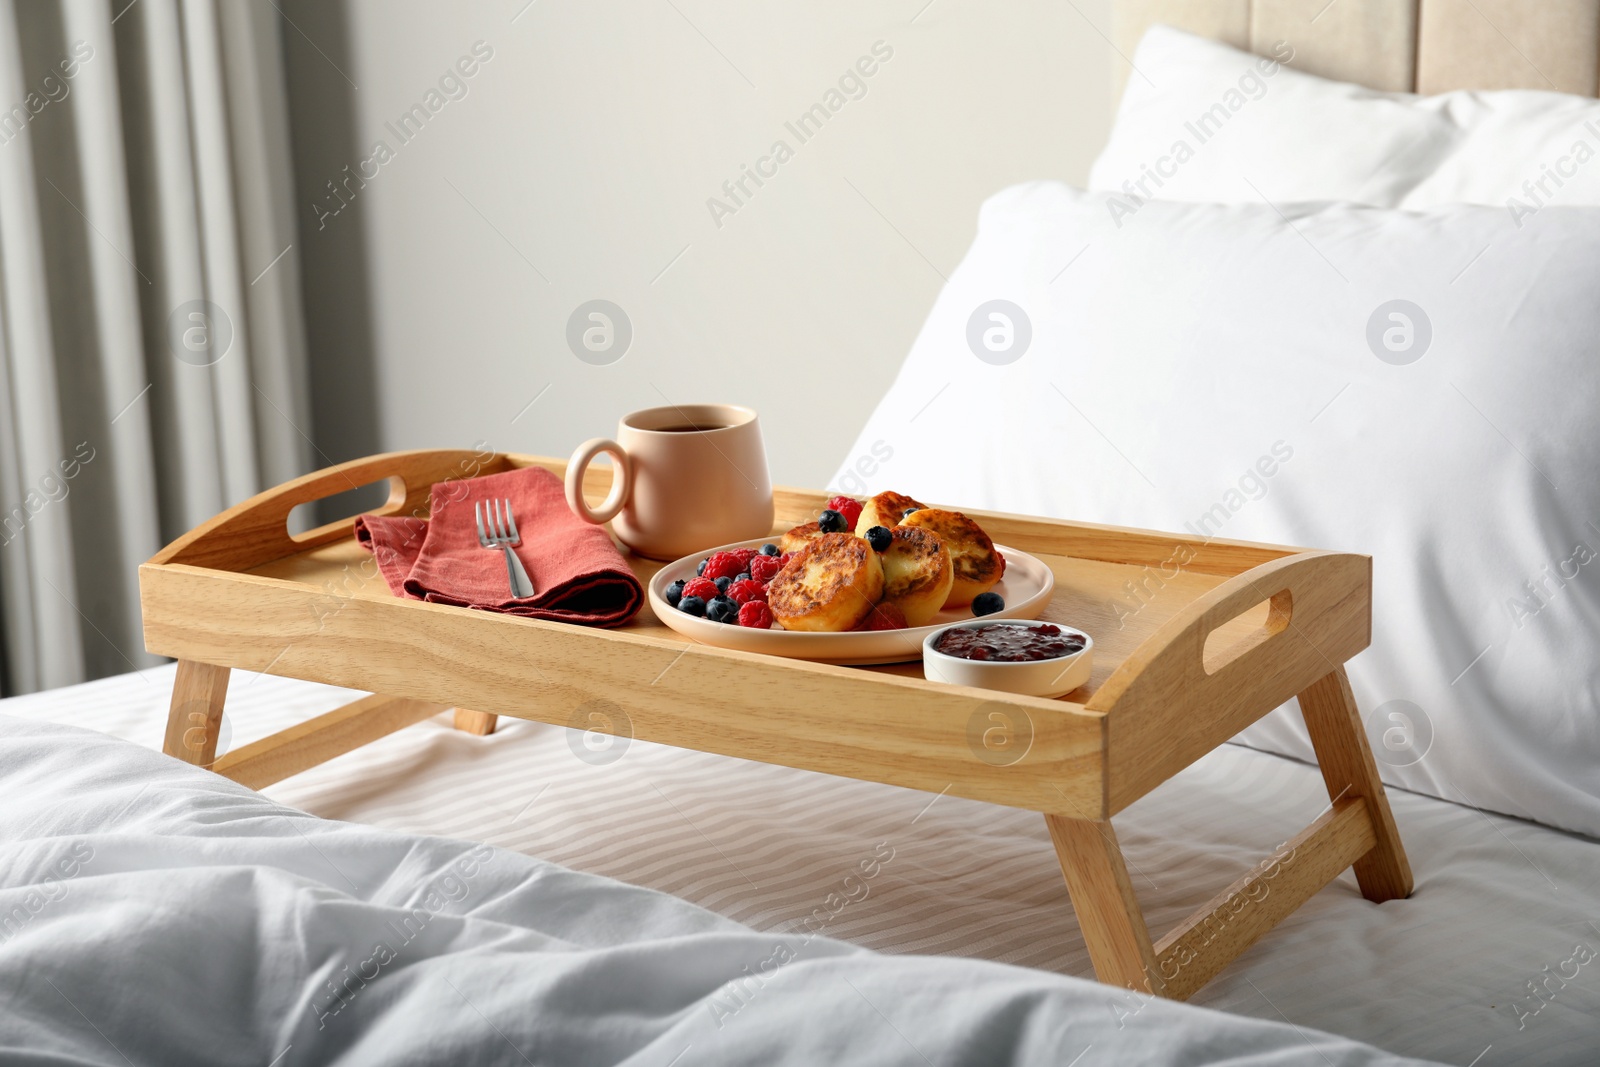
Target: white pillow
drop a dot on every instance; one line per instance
(1213, 123)
(1234, 372)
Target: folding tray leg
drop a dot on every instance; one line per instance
(1200, 946)
(1356, 831)
(194, 719)
(1102, 896)
(194, 722)
(481, 723)
(1348, 769)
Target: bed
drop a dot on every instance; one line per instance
(1438, 977)
(153, 912)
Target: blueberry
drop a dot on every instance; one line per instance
(770, 549)
(692, 605)
(987, 604)
(906, 512)
(723, 583)
(700, 570)
(879, 538)
(675, 592)
(742, 576)
(830, 521)
(722, 609)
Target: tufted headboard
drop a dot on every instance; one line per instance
(1424, 46)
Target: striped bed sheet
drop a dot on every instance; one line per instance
(1480, 966)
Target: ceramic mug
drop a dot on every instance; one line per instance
(684, 479)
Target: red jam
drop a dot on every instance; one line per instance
(1004, 643)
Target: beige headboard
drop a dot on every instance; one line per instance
(1424, 46)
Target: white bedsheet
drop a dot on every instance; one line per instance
(1443, 976)
(153, 913)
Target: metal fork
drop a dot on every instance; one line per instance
(502, 534)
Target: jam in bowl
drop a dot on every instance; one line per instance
(1043, 659)
(1010, 643)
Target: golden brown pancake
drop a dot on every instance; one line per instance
(799, 537)
(917, 573)
(978, 567)
(884, 510)
(830, 586)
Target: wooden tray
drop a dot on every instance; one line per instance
(1194, 640)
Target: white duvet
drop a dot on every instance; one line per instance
(154, 913)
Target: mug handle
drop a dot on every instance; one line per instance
(621, 480)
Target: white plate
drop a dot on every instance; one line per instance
(1026, 589)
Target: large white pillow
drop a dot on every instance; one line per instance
(1209, 122)
(1227, 370)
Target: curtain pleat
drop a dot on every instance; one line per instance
(230, 380)
(162, 159)
(192, 456)
(258, 115)
(113, 290)
(49, 588)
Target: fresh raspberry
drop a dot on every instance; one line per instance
(747, 590)
(848, 507)
(756, 615)
(783, 560)
(765, 568)
(704, 588)
(884, 616)
(723, 565)
(745, 556)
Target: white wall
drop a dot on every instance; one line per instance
(585, 151)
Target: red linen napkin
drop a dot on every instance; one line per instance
(578, 574)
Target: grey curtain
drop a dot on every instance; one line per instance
(151, 336)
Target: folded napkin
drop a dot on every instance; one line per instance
(578, 574)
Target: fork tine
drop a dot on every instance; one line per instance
(511, 523)
(477, 513)
(499, 525)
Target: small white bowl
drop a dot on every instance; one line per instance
(1037, 678)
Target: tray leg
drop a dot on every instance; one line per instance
(1348, 769)
(1102, 896)
(316, 741)
(1357, 830)
(481, 723)
(195, 717)
(1200, 946)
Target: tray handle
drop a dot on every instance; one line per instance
(1174, 699)
(257, 531)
